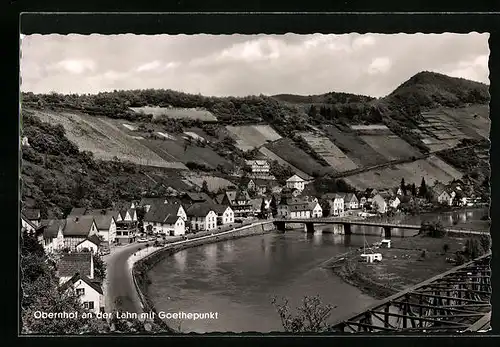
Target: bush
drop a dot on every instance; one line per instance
(432, 229)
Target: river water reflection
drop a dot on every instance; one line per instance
(238, 279)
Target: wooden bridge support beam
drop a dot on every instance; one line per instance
(309, 228)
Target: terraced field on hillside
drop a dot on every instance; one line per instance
(473, 120)
(248, 137)
(329, 152)
(354, 147)
(105, 139)
(286, 149)
(392, 147)
(214, 183)
(273, 156)
(431, 169)
(176, 113)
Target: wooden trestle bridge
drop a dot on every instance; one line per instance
(455, 301)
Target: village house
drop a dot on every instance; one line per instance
(290, 207)
(337, 203)
(316, 210)
(239, 201)
(190, 198)
(225, 214)
(296, 182)
(166, 219)
(443, 195)
(75, 263)
(52, 237)
(89, 291)
(77, 229)
(260, 186)
(259, 167)
(33, 215)
(147, 202)
(394, 202)
(201, 216)
(91, 244)
(379, 203)
(351, 202)
(361, 200)
(106, 224)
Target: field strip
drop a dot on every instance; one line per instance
(273, 156)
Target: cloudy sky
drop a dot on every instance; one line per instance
(239, 65)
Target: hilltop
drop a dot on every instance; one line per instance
(413, 132)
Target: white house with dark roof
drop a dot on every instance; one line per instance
(27, 225)
(225, 214)
(52, 237)
(88, 290)
(316, 210)
(296, 182)
(259, 167)
(33, 215)
(239, 201)
(166, 219)
(337, 203)
(202, 216)
(106, 224)
(91, 244)
(351, 202)
(293, 208)
(77, 229)
(380, 202)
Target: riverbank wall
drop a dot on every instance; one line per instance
(141, 267)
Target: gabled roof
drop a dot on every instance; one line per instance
(350, 197)
(31, 213)
(51, 227)
(312, 205)
(73, 263)
(92, 284)
(93, 238)
(405, 198)
(200, 209)
(164, 213)
(220, 209)
(295, 178)
(78, 225)
(27, 221)
(219, 198)
(103, 218)
(198, 197)
(438, 189)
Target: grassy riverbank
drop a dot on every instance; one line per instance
(402, 266)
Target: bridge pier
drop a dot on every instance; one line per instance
(387, 231)
(280, 226)
(347, 228)
(309, 228)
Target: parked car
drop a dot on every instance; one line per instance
(142, 239)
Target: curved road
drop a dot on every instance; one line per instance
(120, 291)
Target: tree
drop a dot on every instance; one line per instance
(403, 186)
(204, 187)
(473, 248)
(263, 212)
(413, 189)
(325, 206)
(311, 316)
(432, 229)
(423, 189)
(446, 248)
(273, 206)
(485, 241)
(99, 267)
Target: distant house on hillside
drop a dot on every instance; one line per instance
(259, 167)
(202, 216)
(296, 182)
(442, 195)
(166, 219)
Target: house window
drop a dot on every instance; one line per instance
(80, 291)
(88, 305)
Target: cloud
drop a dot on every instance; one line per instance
(74, 66)
(238, 65)
(379, 65)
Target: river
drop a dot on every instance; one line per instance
(238, 278)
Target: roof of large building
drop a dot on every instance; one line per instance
(200, 209)
(73, 263)
(93, 284)
(94, 239)
(78, 225)
(77, 211)
(295, 178)
(163, 213)
(198, 197)
(103, 218)
(28, 221)
(219, 209)
(350, 197)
